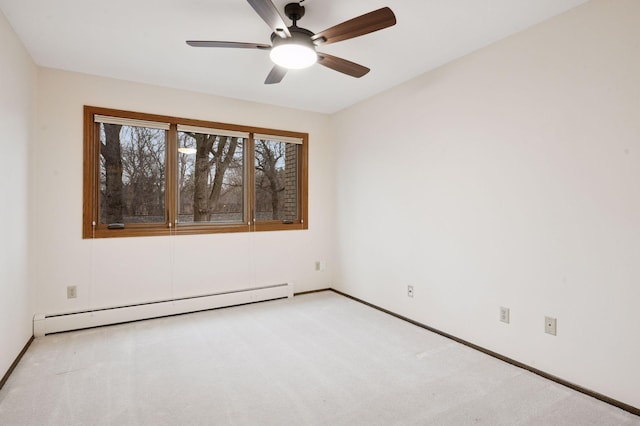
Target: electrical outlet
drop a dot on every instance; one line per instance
(550, 325)
(504, 314)
(72, 292)
(410, 290)
(321, 265)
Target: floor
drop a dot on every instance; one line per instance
(317, 359)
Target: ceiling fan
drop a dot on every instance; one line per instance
(295, 47)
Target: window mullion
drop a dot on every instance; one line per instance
(303, 176)
(171, 177)
(249, 184)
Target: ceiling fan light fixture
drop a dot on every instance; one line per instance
(296, 52)
(294, 47)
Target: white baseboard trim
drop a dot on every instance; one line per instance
(44, 324)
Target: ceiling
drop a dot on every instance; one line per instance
(144, 41)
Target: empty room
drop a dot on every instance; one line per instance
(320, 212)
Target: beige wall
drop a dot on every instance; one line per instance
(508, 178)
(122, 271)
(17, 117)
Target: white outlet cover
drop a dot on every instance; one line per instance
(72, 292)
(504, 314)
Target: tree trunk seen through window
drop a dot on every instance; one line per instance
(111, 152)
(132, 174)
(211, 158)
(270, 178)
(267, 157)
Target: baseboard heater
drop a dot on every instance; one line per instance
(45, 324)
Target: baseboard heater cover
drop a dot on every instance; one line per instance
(45, 324)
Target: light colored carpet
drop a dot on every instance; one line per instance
(317, 359)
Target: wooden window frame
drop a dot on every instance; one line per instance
(91, 227)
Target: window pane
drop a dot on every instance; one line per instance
(210, 178)
(276, 177)
(132, 174)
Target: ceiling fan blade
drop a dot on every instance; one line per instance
(270, 15)
(363, 24)
(199, 43)
(276, 75)
(342, 65)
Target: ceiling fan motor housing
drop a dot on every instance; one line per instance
(297, 35)
(295, 11)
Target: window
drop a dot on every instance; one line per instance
(210, 175)
(276, 175)
(155, 175)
